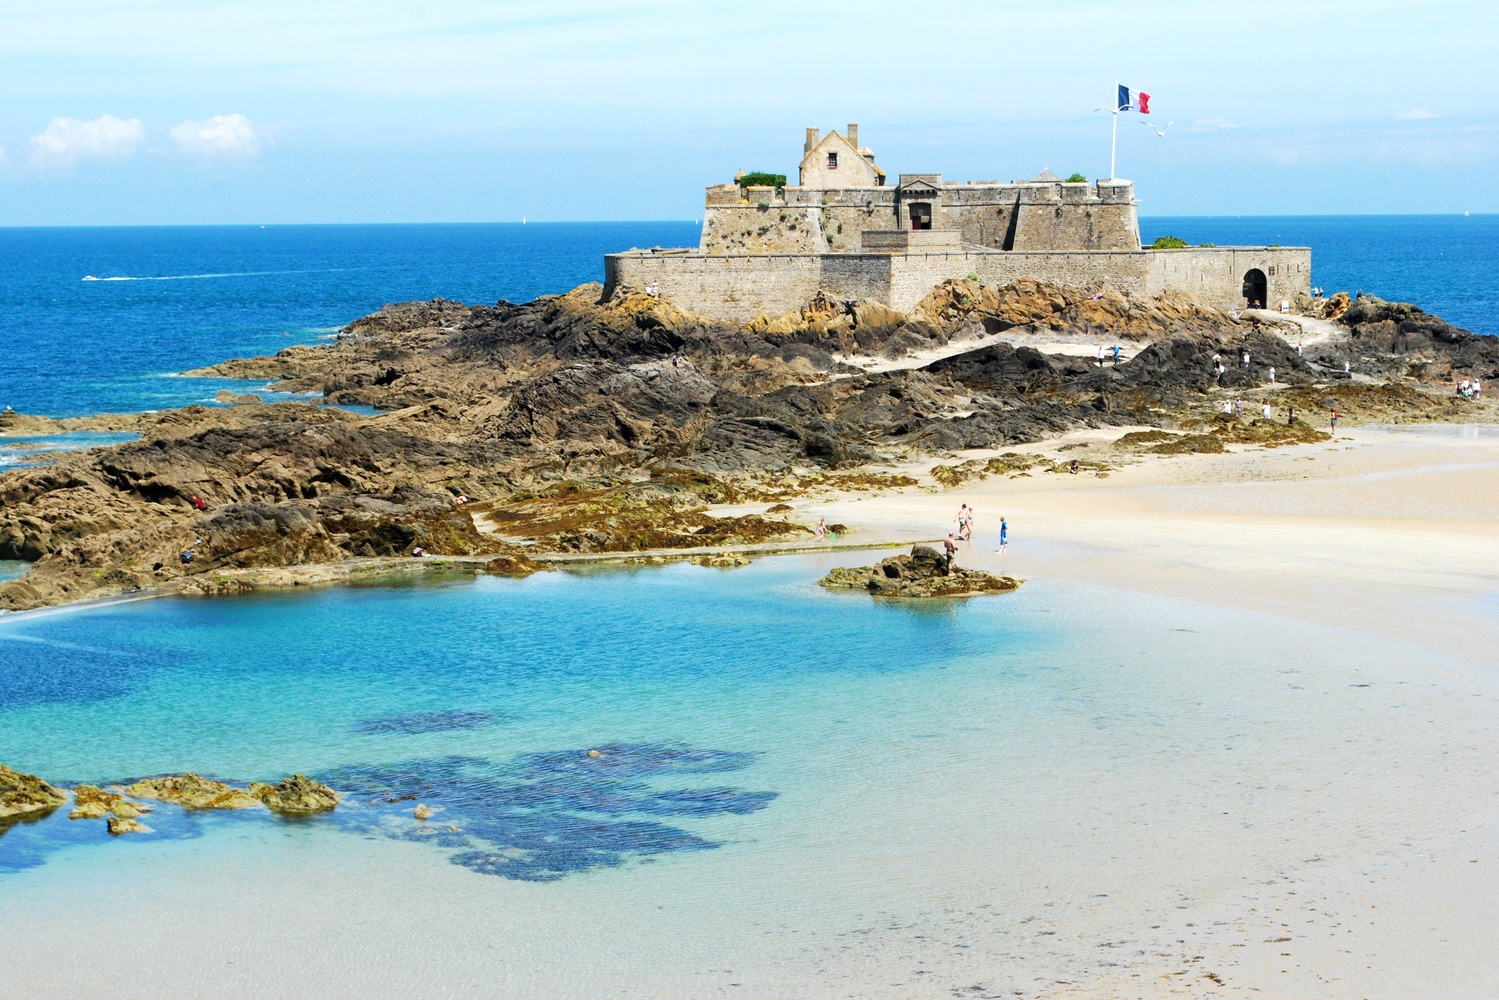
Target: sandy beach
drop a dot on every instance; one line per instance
(1390, 532)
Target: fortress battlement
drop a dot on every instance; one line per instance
(843, 229)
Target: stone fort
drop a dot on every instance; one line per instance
(845, 230)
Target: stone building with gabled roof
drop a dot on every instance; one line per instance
(836, 160)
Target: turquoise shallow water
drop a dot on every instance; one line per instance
(482, 697)
(800, 790)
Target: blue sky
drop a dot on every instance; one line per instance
(188, 111)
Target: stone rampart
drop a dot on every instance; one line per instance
(738, 288)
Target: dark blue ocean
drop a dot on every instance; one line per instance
(174, 298)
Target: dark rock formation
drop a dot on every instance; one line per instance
(924, 572)
(564, 418)
(1378, 329)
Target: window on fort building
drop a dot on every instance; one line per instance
(832, 161)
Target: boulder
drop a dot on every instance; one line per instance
(23, 794)
(117, 826)
(298, 795)
(89, 810)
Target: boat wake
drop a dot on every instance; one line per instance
(216, 274)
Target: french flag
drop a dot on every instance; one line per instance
(1125, 104)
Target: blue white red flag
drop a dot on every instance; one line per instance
(1125, 104)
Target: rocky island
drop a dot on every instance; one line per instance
(922, 573)
(509, 436)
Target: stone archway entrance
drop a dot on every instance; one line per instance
(921, 215)
(1255, 288)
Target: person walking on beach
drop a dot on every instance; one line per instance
(822, 529)
(967, 532)
(1004, 533)
(1116, 355)
(1100, 355)
(963, 516)
(1477, 389)
(951, 548)
(1334, 421)
(1272, 374)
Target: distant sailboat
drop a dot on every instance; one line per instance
(523, 220)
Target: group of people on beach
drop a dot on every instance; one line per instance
(1470, 389)
(1103, 355)
(964, 533)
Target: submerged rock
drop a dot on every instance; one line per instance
(21, 794)
(119, 825)
(921, 573)
(193, 791)
(298, 795)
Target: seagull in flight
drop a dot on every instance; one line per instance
(1159, 131)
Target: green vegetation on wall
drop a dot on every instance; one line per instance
(1077, 179)
(1168, 243)
(759, 178)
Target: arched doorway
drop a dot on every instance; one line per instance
(1255, 288)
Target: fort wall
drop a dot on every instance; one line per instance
(1027, 215)
(738, 288)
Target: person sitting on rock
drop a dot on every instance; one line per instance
(419, 553)
(200, 503)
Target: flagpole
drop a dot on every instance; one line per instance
(1114, 140)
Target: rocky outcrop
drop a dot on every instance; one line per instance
(26, 795)
(922, 573)
(298, 795)
(1378, 329)
(193, 791)
(565, 419)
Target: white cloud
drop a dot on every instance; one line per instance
(68, 140)
(221, 135)
(1213, 124)
(1414, 115)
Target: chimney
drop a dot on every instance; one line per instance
(812, 138)
(853, 134)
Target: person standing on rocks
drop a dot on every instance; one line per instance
(951, 548)
(1272, 374)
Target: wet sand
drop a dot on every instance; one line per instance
(1385, 532)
